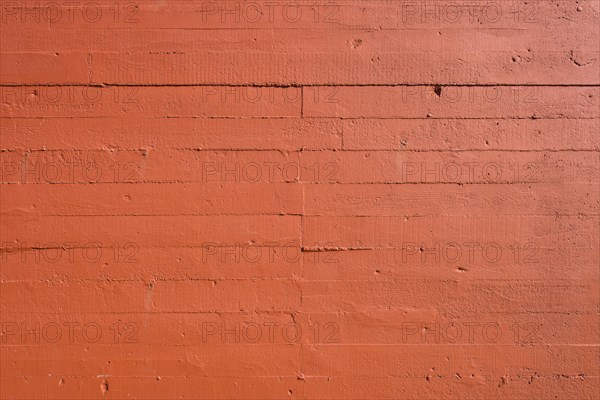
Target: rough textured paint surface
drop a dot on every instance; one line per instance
(345, 199)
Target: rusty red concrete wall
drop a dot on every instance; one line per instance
(324, 199)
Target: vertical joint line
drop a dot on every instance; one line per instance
(301, 101)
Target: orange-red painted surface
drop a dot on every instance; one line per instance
(300, 199)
